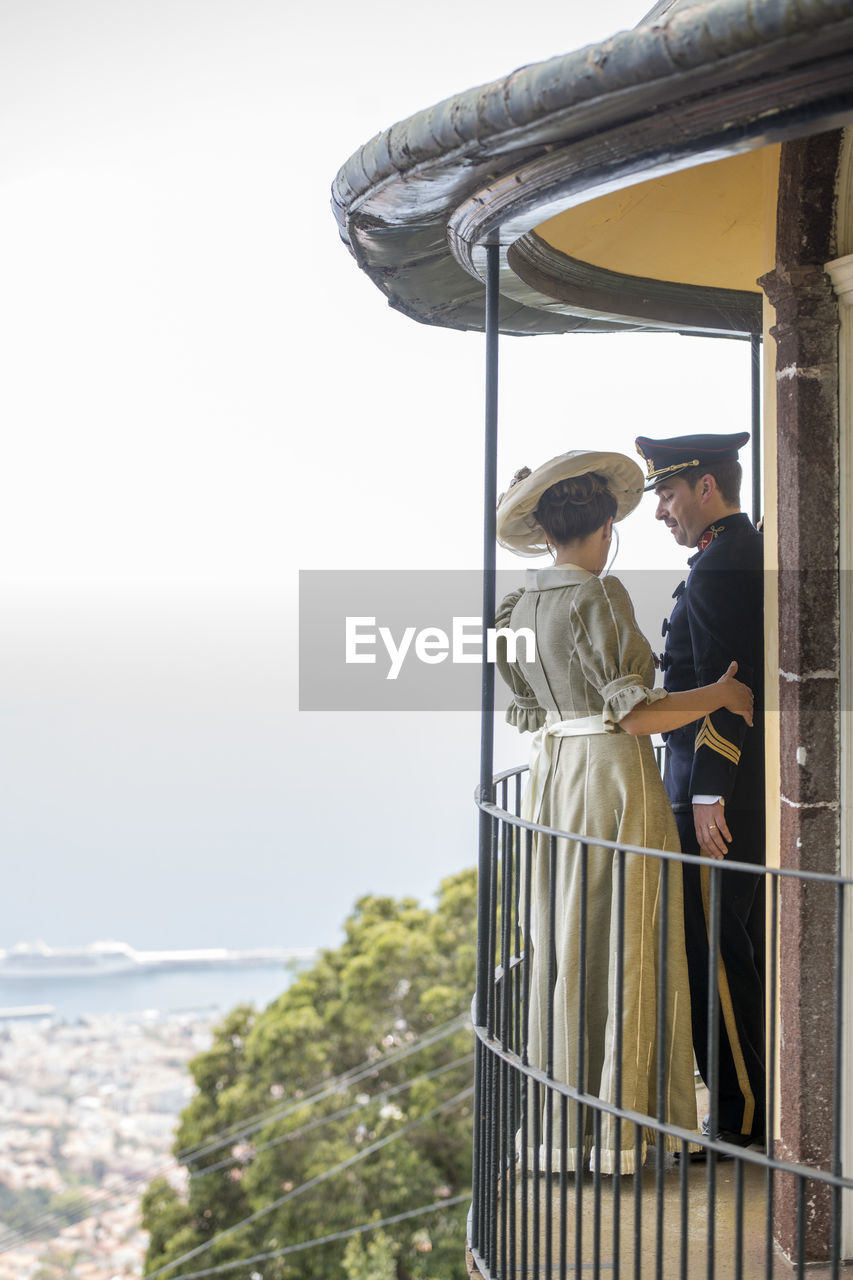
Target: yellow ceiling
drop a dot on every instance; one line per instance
(701, 226)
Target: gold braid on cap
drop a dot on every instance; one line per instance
(656, 473)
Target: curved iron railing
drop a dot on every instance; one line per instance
(531, 1216)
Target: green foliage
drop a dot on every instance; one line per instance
(374, 1260)
(20, 1208)
(401, 972)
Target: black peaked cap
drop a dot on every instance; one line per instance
(665, 458)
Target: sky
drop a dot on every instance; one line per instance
(202, 397)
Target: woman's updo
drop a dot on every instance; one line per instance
(572, 509)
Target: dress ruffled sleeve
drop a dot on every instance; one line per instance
(615, 655)
(524, 711)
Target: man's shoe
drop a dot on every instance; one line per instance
(722, 1135)
(734, 1139)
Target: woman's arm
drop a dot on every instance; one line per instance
(678, 709)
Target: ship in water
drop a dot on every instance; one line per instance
(109, 958)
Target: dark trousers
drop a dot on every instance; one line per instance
(741, 1076)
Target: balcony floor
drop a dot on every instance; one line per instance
(601, 1260)
(754, 1226)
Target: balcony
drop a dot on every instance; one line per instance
(733, 1211)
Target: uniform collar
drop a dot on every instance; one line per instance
(737, 520)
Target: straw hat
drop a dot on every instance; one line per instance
(517, 527)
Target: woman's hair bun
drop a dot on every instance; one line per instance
(574, 507)
(578, 490)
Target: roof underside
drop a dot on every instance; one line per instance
(694, 83)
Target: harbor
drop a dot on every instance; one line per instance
(67, 983)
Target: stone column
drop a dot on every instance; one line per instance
(809, 703)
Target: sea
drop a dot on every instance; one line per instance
(198, 990)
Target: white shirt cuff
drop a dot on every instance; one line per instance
(707, 799)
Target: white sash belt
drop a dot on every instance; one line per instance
(542, 755)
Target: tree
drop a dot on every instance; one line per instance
(275, 1108)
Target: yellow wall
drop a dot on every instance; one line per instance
(701, 226)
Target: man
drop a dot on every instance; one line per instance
(714, 772)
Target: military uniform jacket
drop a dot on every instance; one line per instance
(718, 618)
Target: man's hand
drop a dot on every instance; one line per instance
(712, 833)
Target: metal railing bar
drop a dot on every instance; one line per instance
(552, 951)
(564, 1182)
(667, 855)
(712, 1214)
(493, 1096)
(507, 836)
(683, 1194)
(713, 1080)
(663, 935)
(580, 1123)
(551, 943)
(528, 873)
(485, 1120)
(580, 1143)
(549, 1200)
(596, 1194)
(515, 771)
(525, 1142)
(517, 948)
(619, 1044)
(505, 1163)
(720, 1148)
(582, 946)
(513, 1181)
(537, 1140)
(638, 1203)
(491, 943)
(738, 1241)
(770, 1118)
(506, 926)
(477, 1199)
(838, 1069)
(489, 1095)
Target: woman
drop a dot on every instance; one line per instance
(588, 697)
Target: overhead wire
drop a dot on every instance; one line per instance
(337, 1115)
(302, 1245)
(102, 1202)
(243, 1128)
(317, 1180)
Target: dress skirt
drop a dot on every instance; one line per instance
(606, 1001)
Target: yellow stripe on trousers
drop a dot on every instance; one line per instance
(729, 1014)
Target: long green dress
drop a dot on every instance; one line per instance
(593, 661)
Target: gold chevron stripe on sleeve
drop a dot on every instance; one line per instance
(708, 737)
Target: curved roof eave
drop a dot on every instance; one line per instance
(416, 202)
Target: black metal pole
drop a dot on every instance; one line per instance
(481, 1185)
(755, 353)
(487, 702)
